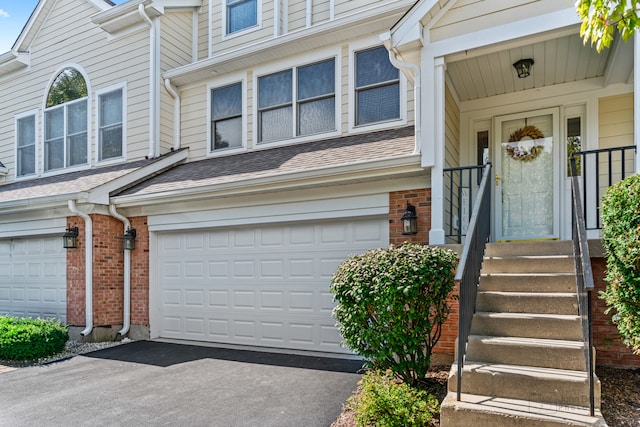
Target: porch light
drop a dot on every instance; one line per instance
(523, 67)
(410, 220)
(70, 238)
(129, 239)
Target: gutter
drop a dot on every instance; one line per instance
(176, 112)
(154, 78)
(126, 297)
(88, 270)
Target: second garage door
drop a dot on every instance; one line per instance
(263, 286)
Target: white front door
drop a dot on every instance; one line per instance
(527, 176)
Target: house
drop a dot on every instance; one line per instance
(246, 147)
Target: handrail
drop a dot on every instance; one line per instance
(584, 277)
(468, 271)
(457, 180)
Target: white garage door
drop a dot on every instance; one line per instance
(263, 286)
(33, 277)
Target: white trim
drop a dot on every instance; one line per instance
(309, 13)
(99, 92)
(32, 225)
(332, 10)
(364, 44)
(438, 141)
(36, 113)
(277, 15)
(216, 84)
(194, 35)
(251, 29)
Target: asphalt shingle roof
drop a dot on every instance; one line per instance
(293, 158)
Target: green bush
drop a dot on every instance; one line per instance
(31, 339)
(384, 401)
(391, 304)
(621, 240)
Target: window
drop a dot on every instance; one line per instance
(226, 117)
(297, 102)
(241, 14)
(574, 144)
(26, 145)
(377, 87)
(110, 121)
(65, 121)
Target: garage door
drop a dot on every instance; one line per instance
(262, 286)
(33, 277)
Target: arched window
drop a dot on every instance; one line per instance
(65, 121)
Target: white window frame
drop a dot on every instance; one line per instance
(358, 46)
(217, 84)
(99, 92)
(293, 64)
(252, 28)
(35, 113)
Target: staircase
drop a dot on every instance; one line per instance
(525, 363)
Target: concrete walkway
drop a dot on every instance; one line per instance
(147, 383)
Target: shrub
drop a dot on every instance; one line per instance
(31, 339)
(621, 240)
(384, 401)
(391, 304)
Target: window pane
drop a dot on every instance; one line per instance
(227, 133)
(373, 66)
(111, 108)
(67, 86)
(26, 131)
(77, 117)
(276, 124)
(26, 160)
(26, 136)
(54, 154)
(111, 142)
(317, 116)
(54, 123)
(274, 89)
(227, 101)
(241, 14)
(378, 104)
(316, 80)
(77, 149)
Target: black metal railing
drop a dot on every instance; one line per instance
(461, 184)
(584, 277)
(605, 167)
(470, 264)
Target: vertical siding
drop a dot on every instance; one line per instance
(106, 63)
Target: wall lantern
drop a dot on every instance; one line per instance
(129, 239)
(523, 67)
(410, 220)
(70, 238)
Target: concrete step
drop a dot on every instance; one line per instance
(526, 264)
(527, 325)
(536, 282)
(548, 247)
(543, 353)
(556, 386)
(527, 302)
(487, 411)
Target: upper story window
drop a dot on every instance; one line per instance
(296, 102)
(241, 14)
(377, 87)
(226, 117)
(26, 144)
(65, 121)
(110, 124)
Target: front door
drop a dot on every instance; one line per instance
(527, 177)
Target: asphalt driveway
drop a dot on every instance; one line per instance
(147, 383)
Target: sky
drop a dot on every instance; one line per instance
(14, 14)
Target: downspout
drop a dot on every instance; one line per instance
(153, 83)
(126, 292)
(176, 112)
(88, 238)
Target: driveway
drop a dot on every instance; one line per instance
(147, 383)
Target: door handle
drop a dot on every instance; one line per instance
(498, 178)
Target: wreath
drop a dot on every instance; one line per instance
(525, 152)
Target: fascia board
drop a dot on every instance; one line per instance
(44, 202)
(403, 165)
(118, 11)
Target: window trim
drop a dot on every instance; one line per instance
(35, 113)
(103, 91)
(218, 84)
(226, 35)
(301, 61)
(359, 46)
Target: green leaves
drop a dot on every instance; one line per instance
(392, 303)
(30, 339)
(602, 18)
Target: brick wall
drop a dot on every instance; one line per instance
(76, 276)
(140, 273)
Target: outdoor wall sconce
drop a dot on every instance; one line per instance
(70, 238)
(129, 239)
(523, 67)
(410, 220)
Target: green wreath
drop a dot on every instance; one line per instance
(521, 153)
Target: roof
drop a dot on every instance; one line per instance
(289, 159)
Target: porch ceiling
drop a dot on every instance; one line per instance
(557, 60)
